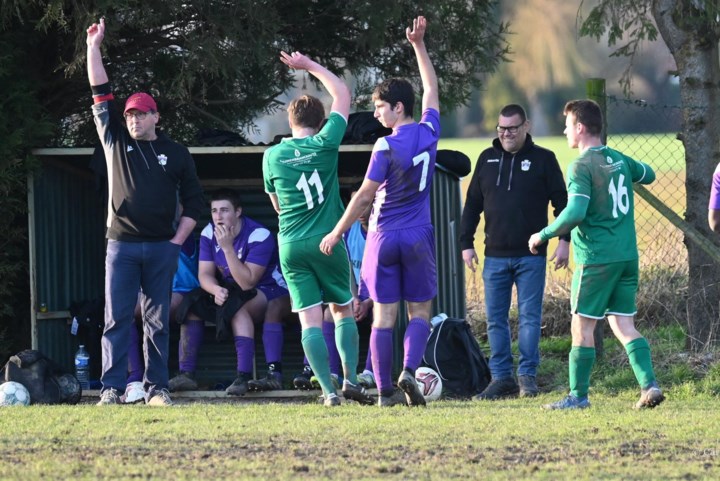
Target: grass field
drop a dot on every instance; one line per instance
(512, 439)
(447, 440)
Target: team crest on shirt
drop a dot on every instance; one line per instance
(297, 153)
(525, 165)
(609, 160)
(162, 159)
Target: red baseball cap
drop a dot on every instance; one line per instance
(140, 101)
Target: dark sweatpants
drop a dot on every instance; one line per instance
(130, 266)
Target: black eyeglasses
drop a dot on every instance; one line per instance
(138, 115)
(513, 129)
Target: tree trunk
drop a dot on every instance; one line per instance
(693, 42)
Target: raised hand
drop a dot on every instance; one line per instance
(416, 35)
(296, 60)
(96, 33)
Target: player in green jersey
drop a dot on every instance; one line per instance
(300, 175)
(601, 217)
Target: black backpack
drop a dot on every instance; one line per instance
(364, 128)
(454, 353)
(46, 381)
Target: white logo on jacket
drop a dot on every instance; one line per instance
(162, 159)
(525, 165)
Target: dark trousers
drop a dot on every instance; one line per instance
(129, 267)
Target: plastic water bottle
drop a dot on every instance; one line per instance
(438, 319)
(82, 367)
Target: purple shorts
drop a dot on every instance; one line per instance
(400, 265)
(273, 291)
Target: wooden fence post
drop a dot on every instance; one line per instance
(595, 88)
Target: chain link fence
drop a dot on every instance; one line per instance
(660, 243)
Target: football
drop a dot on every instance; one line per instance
(14, 394)
(429, 383)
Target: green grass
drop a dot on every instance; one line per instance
(448, 440)
(510, 439)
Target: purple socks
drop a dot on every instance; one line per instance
(245, 349)
(381, 345)
(272, 341)
(191, 338)
(136, 364)
(415, 342)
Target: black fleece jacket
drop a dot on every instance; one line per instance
(148, 180)
(513, 190)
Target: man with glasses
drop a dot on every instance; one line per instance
(512, 184)
(149, 178)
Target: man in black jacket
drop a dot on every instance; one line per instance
(149, 178)
(512, 184)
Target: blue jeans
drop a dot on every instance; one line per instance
(130, 266)
(528, 275)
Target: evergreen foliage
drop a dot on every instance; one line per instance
(214, 63)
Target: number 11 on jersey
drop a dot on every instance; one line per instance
(304, 185)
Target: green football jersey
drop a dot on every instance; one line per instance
(303, 173)
(607, 233)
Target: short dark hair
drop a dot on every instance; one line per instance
(230, 195)
(306, 111)
(588, 113)
(513, 109)
(394, 90)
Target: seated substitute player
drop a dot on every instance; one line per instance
(600, 214)
(185, 281)
(300, 176)
(237, 252)
(399, 261)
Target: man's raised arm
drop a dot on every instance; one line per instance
(96, 70)
(427, 71)
(335, 87)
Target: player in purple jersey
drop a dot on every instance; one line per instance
(399, 262)
(237, 252)
(714, 205)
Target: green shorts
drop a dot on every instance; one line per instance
(314, 278)
(601, 289)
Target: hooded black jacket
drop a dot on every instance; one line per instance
(513, 190)
(148, 180)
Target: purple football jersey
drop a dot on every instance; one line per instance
(254, 244)
(715, 190)
(403, 163)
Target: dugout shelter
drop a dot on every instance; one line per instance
(66, 218)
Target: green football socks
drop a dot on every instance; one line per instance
(316, 352)
(638, 351)
(580, 366)
(347, 341)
